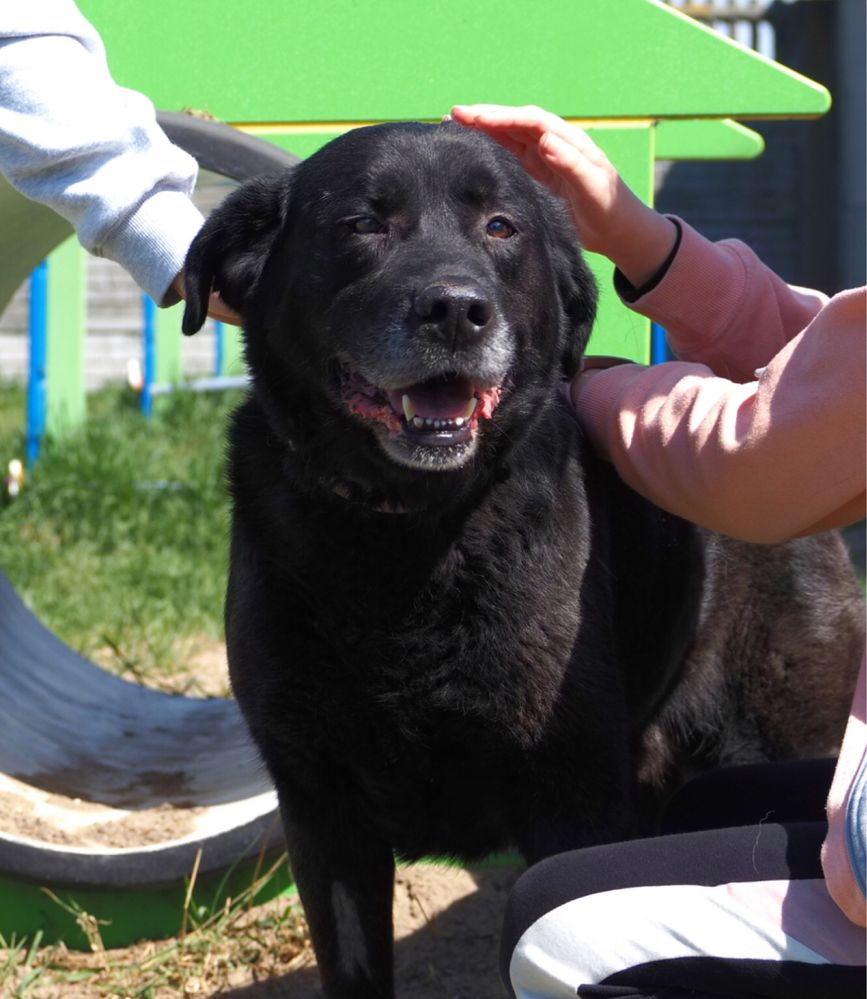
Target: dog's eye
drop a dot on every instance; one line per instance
(500, 228)
(366, 225)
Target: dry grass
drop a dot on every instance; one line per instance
(139, 508)
(237, 946)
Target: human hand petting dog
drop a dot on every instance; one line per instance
(610, 219)
(217, 308)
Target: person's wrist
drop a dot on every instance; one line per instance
(174, 293)
(640, 255)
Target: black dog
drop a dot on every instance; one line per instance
(450, 628)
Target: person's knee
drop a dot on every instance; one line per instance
(522, 909)
(525, 962)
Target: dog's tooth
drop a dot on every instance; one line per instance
(435, 423)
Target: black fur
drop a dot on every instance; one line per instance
(508, 649)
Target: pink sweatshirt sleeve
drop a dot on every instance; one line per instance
(722, 307)
(758, 459)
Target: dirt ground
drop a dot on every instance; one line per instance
(447, 920)
(447, 924)
(447, 927)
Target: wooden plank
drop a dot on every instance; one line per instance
(618, 330)
(394, 59)
(706, 139)
(169, 344)
(66, 321)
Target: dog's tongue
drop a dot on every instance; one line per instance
(438, 399)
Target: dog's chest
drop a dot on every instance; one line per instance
(432, 663)
(442, 643)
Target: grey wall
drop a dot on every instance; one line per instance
(801, 204)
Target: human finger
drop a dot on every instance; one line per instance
(569, 161)
(217, 309)
(527, 123)
(508, 130)
(525, 131)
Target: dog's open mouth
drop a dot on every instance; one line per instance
(439, 412)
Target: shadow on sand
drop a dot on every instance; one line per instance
(451, 953)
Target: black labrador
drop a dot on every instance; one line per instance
(451, 628)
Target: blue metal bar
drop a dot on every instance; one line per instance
(219, 347)
(38, 336)
(659, 350)
(149, 348)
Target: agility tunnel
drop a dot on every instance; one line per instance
(112, 794)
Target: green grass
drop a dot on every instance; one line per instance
(216, 950)
(119, 539)
(119, 542)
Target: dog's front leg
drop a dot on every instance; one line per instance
(345, 877)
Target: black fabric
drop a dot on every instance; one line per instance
(628, 292)
(770, 851)
(609, 992)
(794, 791)
(744, 979)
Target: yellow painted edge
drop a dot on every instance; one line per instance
(321, 127)
(328, 127)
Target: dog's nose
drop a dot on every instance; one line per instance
(455, 309)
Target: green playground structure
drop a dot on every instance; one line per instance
(648, 82)
(645, 80)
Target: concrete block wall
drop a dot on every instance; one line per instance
(114, 318)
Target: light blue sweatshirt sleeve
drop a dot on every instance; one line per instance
(73, 140)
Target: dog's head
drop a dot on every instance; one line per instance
(409, 283)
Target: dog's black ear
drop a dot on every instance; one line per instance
(230, 251)
(578, 295)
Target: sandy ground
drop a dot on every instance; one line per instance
(447, 920)
(447, 926)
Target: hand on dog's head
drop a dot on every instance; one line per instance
(230, 252)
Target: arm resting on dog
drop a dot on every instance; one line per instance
(758, 432)
(761, 460)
